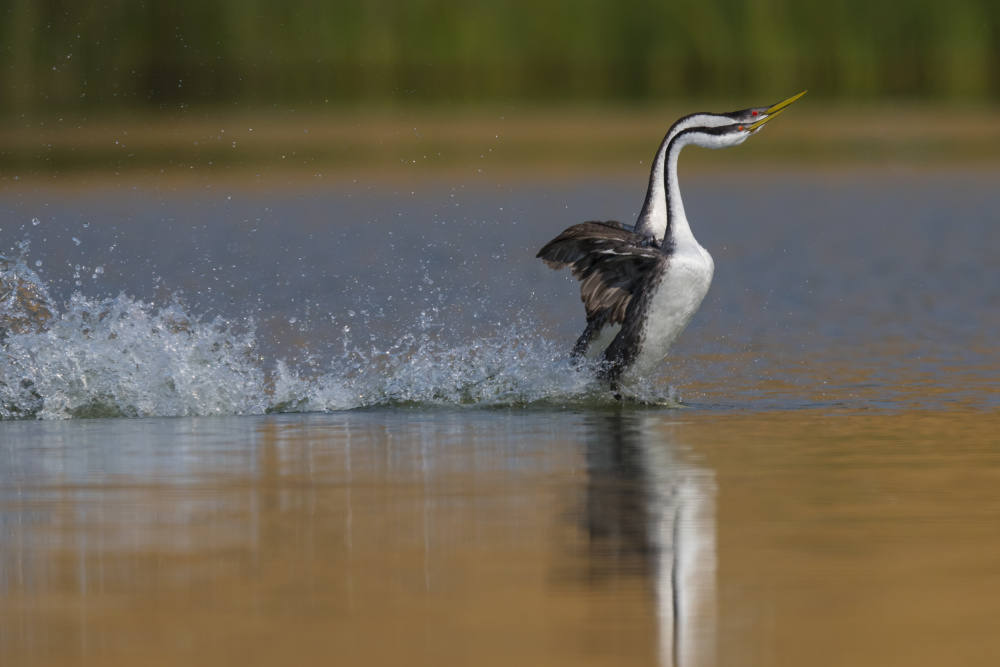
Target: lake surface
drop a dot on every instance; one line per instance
(360, 441)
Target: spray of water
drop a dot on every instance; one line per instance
(122, 357)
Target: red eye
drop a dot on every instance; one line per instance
(754, 113)
(741, 128)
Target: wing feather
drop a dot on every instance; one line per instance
(579, 240)
(609, 259)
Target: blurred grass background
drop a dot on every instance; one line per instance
(70, 68)
(124, 53)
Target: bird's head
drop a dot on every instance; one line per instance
(735, 122)
(760, 115)
(742, 124)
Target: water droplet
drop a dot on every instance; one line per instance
(36, 221)
(76, 240)
(38, 262)
(98, 270)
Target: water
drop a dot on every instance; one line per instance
(830, 289)
(490, 537)
(402, 466)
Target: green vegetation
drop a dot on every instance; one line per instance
(125, 54)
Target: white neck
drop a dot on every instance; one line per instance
(678, 231)
(653, 218)
(677, 227)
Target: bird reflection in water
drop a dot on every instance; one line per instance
(650, 514)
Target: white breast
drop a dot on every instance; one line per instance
(675, 301)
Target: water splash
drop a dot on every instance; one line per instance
(514, 367)
(122, 357)
(125, 358)
(25, 305)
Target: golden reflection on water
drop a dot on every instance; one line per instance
(684, 537)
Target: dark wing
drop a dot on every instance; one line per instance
(578, 240)
(609, 260)
(622, 351)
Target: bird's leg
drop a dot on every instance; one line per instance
(616, 391)
(594, 326)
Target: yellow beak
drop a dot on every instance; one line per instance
(781, 105)
(772, 112)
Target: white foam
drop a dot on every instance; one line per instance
(123, 357)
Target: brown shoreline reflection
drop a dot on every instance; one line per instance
(356, 539)
(679, 537)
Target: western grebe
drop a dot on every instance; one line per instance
(648, 279)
